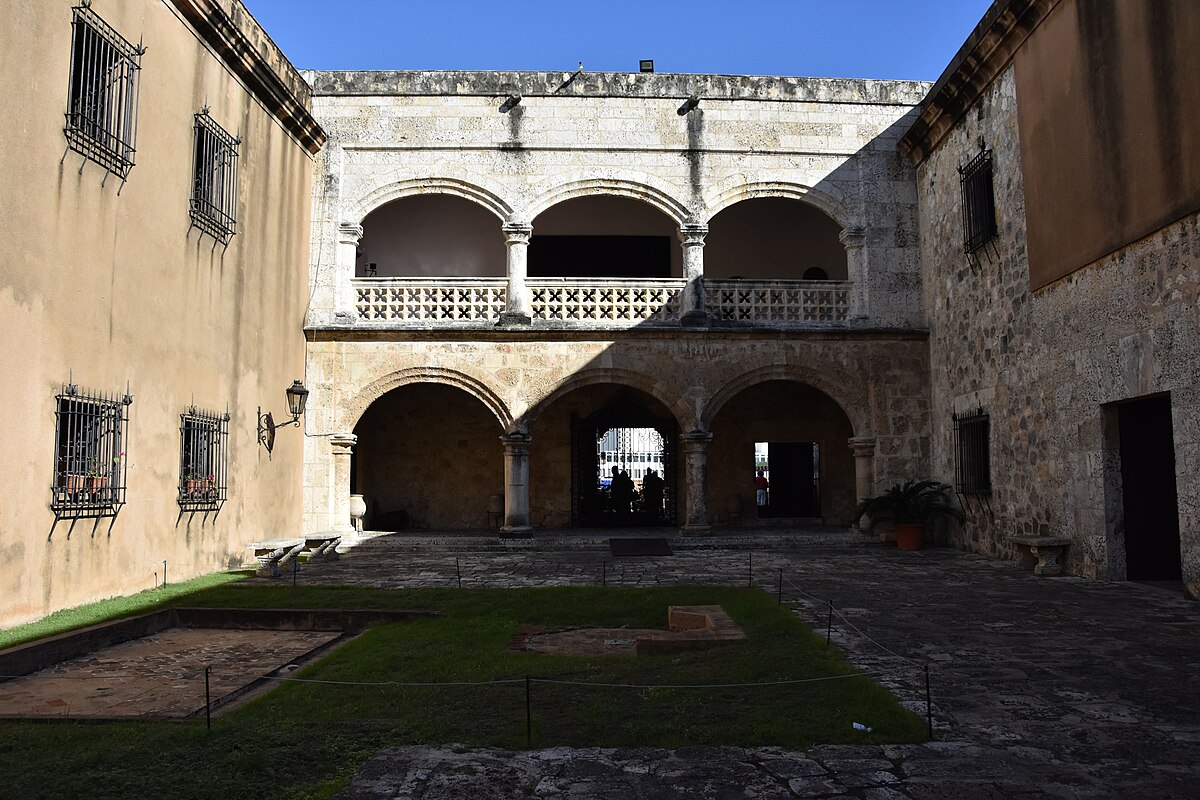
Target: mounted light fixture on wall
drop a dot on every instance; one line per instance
(297, 396)
(509, 104)
(688, 105)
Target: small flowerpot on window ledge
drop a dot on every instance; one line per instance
(96, 483)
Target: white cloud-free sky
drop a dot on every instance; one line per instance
(894, 39)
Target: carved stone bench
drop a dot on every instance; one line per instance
(322, 546)
(1046, 549)
(273, 553)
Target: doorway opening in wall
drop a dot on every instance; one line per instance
(623, 469)
(1149, 506)
(792, 472)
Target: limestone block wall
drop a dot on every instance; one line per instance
(876, 379)
(1042, 364)
(831, 143)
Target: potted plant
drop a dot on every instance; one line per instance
(909, 506)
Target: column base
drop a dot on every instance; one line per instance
(510, 319)
(695, 530)
(516, 531)
(694, 319)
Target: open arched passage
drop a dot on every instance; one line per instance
(581, 437)
(797, 436)
(774, 238)
(604, 236)
(431, 235)
(428, 457)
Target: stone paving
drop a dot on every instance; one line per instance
(1042, 687)
(161, 675)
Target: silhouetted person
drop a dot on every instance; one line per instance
(652, 494)
(761, 485)
(622, 493)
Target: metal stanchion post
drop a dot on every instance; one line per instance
(528, 716)
(829, 625)
(207, 700)
(928, 703)
(604, 573)
(779, 591)
(458, 571)
(750, 570)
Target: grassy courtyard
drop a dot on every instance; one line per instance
(304, 740)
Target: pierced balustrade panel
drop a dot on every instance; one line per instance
(606, 302)
(426, 300)
(778, 303)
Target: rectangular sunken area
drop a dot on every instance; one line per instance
(153, 666)
(688, 628)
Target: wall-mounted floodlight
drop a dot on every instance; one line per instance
(688, 105)
(297, 397)
(646, 65)
(509, 104)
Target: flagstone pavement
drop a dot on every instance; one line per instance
(1041, 687)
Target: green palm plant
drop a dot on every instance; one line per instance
(911, 502)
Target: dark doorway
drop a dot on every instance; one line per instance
(633, 441)
(1148, 490)
(793, 469)
(599, 257)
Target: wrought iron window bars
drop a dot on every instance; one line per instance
(972, 468)
(213, 204)
(102, 97)
(90, 435)
(203, 459)
(978, 201)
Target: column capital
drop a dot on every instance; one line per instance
(852, 238)
(692, 234)
(342, 442)
(517, 232)
(862, 446)
(697, 439)
(516, 440)
(349, 233)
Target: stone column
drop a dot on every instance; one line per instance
(345, 261)
(692, 308)
(516, 484)
(856, 272)
(863, 448)
(517, 309)
(695, 453)
(342, 446)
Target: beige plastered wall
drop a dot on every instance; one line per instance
(115, 292)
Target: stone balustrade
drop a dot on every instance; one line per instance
(598, 302)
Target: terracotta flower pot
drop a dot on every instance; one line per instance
(910, 535)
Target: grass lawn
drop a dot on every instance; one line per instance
(304, 740)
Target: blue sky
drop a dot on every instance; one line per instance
(896, 39)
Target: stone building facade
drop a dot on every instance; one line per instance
(121, 281)
(715, 347)
(1062, 364)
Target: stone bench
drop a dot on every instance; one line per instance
(322, 546)
(273, 553)
(1046, 549)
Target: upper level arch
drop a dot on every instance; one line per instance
(738, 188)
(473, 189)
(357, 404)
(621, 183)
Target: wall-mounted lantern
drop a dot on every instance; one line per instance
(297, 396)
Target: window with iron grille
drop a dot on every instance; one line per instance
(214, 179)
(973, 469)
(89, 471)
(978, 201)
(102, 97)
(203, 444)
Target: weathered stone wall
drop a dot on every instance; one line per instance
(831, 143)
(1042, 364)
(877, 380)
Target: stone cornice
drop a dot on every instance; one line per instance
(493, 335)
(498, 83)
(233, 33)
(985, 54)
